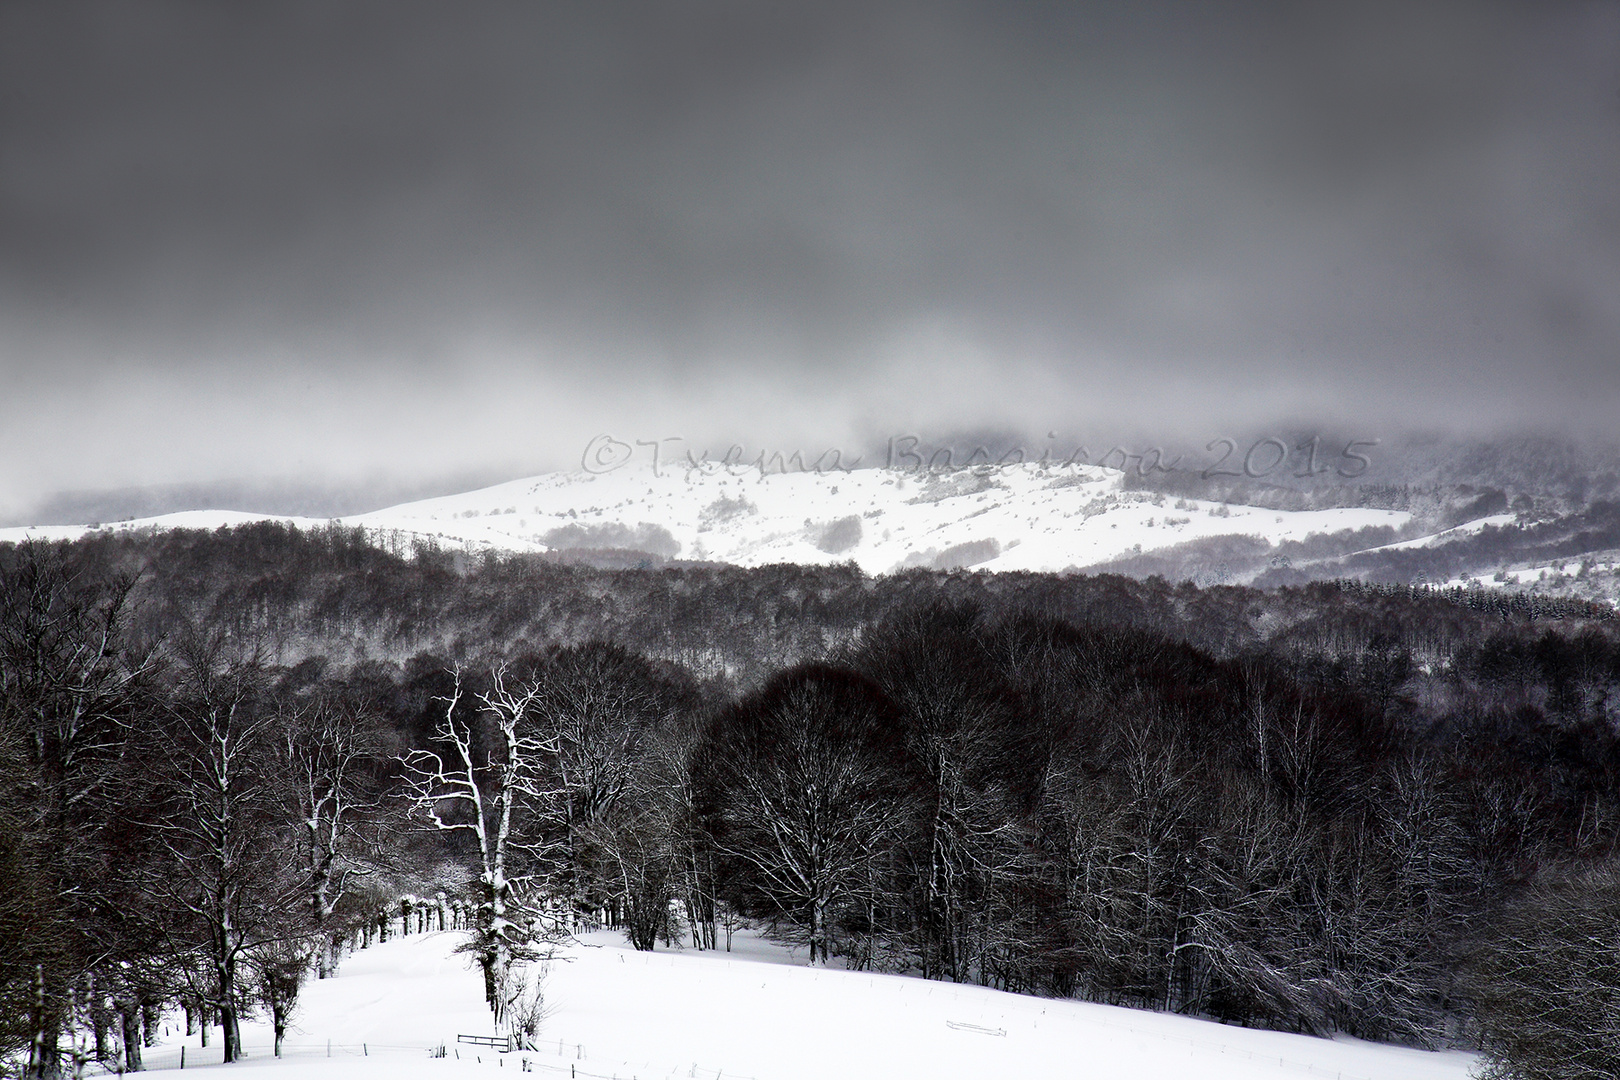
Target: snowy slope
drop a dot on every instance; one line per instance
(1556, 577)
(1446, 536)
(1022, 517)
(1018, 517)
(750, 1014)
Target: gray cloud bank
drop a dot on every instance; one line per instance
(340, 240)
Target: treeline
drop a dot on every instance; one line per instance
(335, 595)
(1332, 808)
(1110, 814)
(182, 824)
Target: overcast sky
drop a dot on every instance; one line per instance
(394, 240)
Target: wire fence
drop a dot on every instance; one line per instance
(556, 1057)
(573, 1062)
(196, 1057)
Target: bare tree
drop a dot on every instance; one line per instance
(599, 706)
(809, 781)
(969, 852)
(639, 840)
(279, 969)
(226, 882)
(485, 779)
(1546, 981)
(323, 751)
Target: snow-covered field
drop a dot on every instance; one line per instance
(1601, 579)
(755, 1013)
(1016, 517)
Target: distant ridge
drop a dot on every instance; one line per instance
(1018, 517)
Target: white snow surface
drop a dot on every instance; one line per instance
(1529, 577)
(1456, 532)
(758, 1013)
(1014, 517)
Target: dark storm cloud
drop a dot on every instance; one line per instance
(291, 237)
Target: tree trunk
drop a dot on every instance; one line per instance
(331, 953)
(818, 932)
(230, 1032)
(44, 1058)
(100, 1021)
(129, 1011)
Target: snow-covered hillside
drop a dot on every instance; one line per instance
(1017, 517)
(755, 1014)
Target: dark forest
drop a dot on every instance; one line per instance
(1380, 810)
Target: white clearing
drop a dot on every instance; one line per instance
(757, 1014)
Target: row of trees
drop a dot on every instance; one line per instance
(1105, 815)
(178, 827)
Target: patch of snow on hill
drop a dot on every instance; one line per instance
(1023, 517)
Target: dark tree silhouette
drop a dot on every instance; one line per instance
(810, 790)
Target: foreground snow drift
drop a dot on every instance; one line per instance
(754, 1014)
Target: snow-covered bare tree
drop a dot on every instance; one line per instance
(489, 773)
(809, 782)
(325, 748)
(226, 885)
(279, 969)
